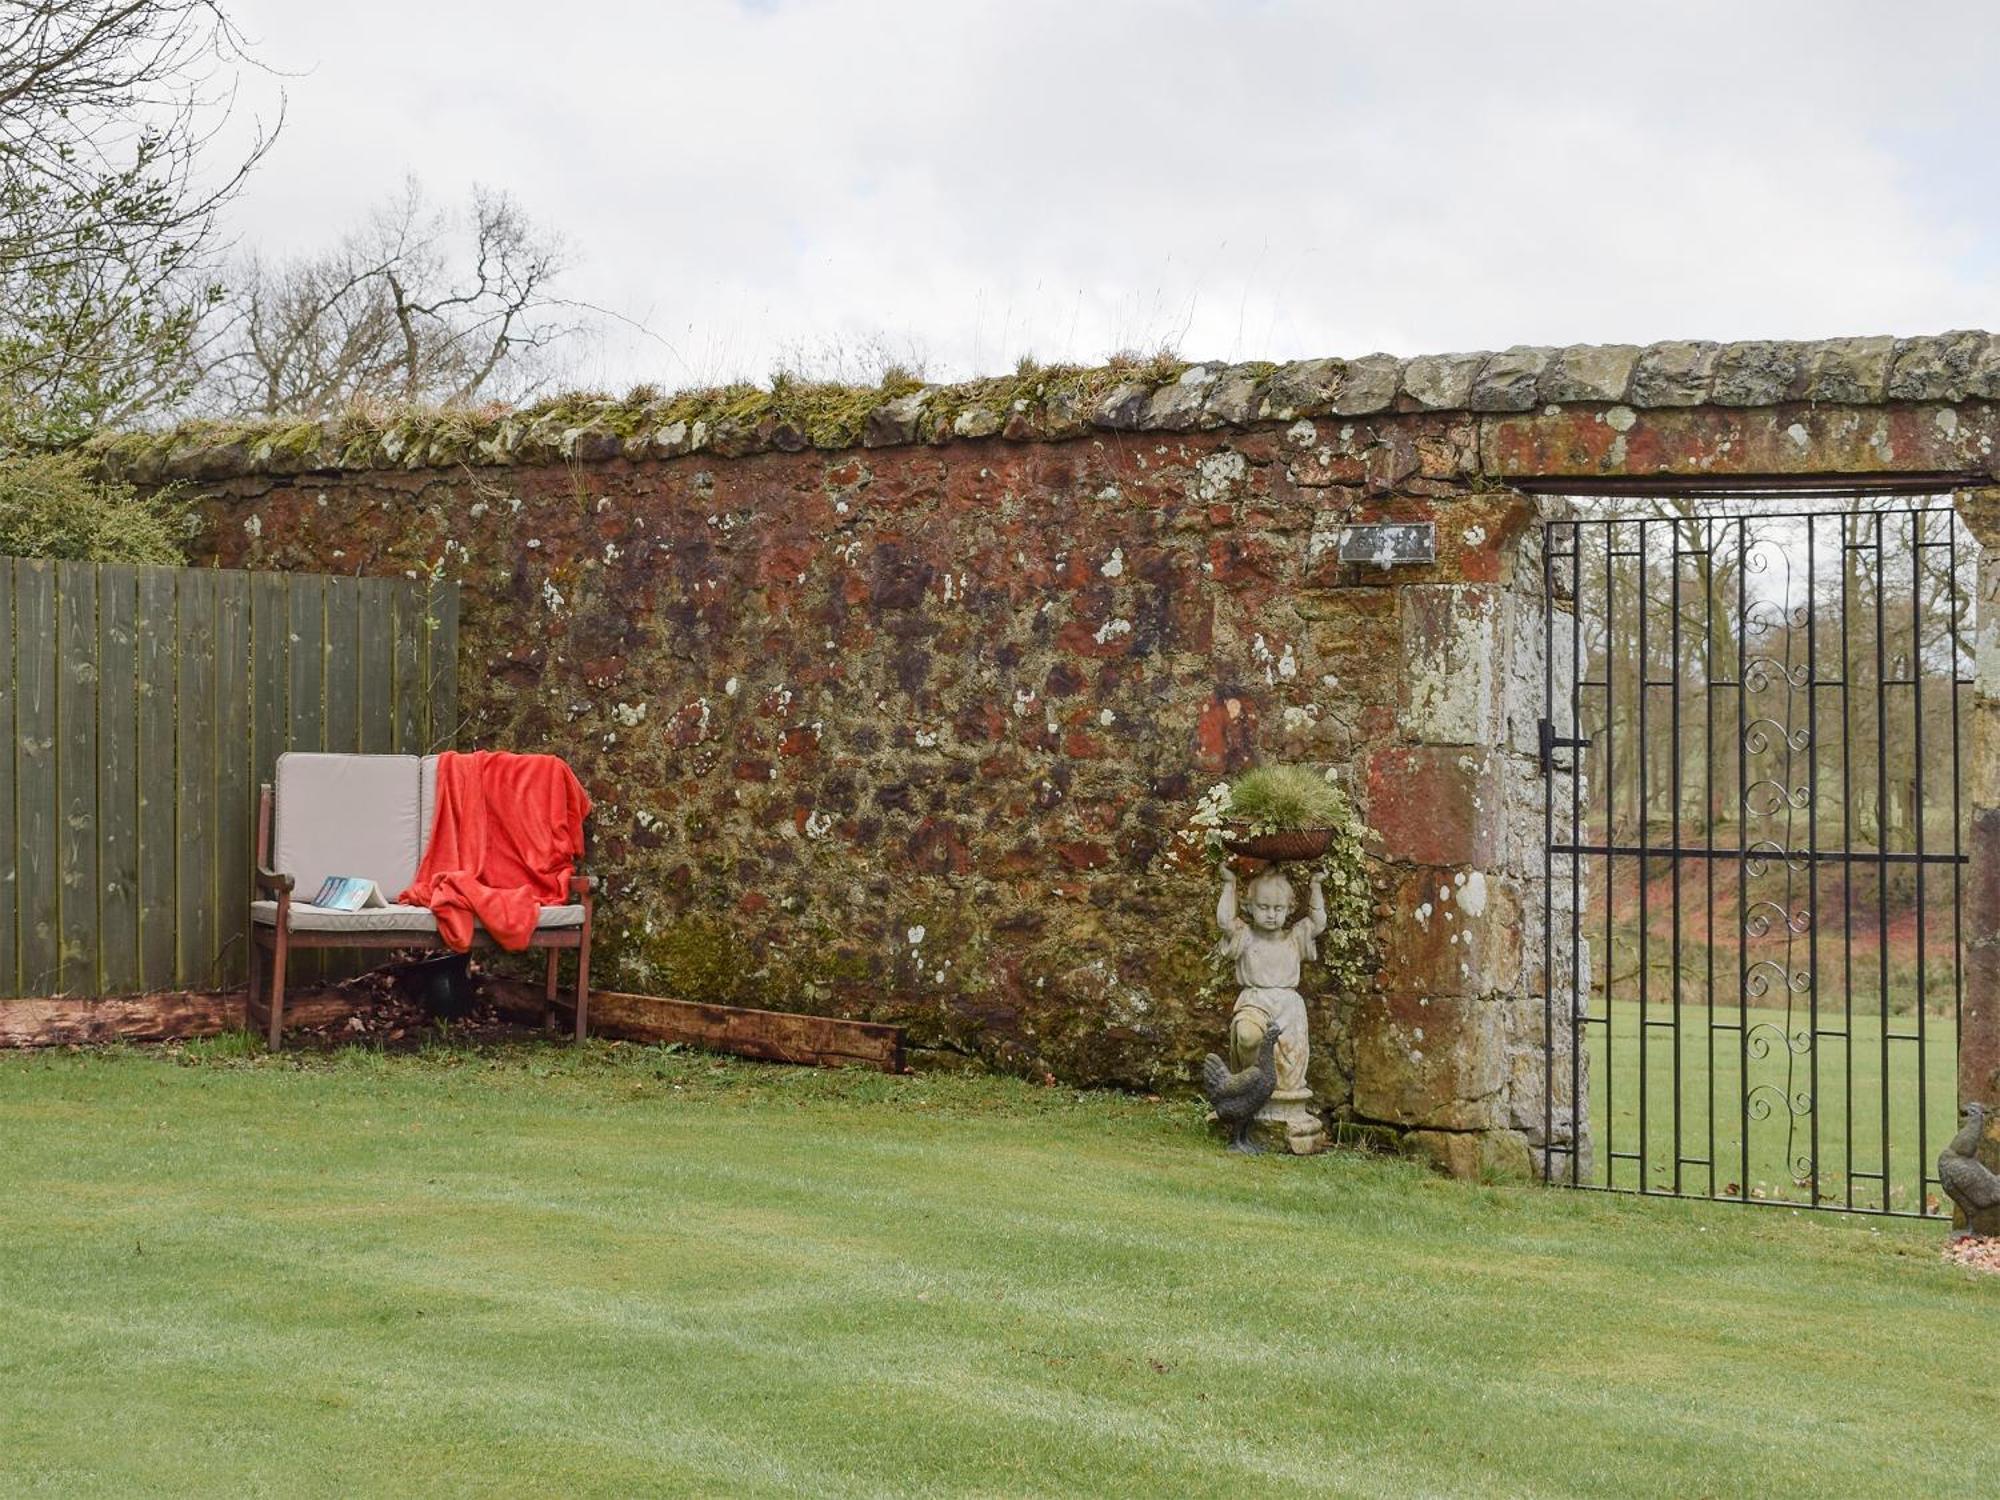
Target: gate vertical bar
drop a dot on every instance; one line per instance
(1952, 684)
(1882, 846)
(1742, 865)
(1848, 544)
(1579, 997)
(1610, 860)
(1674, 827)
(1642, 748)
(1549, 859)
(1709, 812)
(1812, 835)
(1917, 809)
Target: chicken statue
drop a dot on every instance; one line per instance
(1236, 1097)
(1967, 1180)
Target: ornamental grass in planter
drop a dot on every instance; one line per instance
(1283, 813)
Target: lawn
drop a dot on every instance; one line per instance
(628, 1271)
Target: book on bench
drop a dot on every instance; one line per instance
(348, 893)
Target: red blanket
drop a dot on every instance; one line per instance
(504, 841)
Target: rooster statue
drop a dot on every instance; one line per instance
(1236, 1097)
(1967, 1180)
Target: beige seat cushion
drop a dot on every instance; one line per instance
(347, 815)
(416, 921)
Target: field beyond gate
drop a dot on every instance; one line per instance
(1756, 844)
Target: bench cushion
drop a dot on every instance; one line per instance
(347, 815)
(416, 921)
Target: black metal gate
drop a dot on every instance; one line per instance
(1755, 839)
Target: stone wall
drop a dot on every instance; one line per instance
(903, 728)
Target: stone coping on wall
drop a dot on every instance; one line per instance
(1054, 403)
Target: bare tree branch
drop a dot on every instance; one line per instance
(417, 306)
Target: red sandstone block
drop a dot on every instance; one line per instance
(800, 739)
(1434, 804)
(1451, 932)
(1429, 1061)
(1225, 737)
(1083, 854)
(938, 847)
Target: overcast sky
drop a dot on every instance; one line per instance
(965, 183)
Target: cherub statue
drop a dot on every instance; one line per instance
(1268, 956)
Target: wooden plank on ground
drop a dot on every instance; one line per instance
(235, 791)
(118, 779)
(76, 776)
(67, 1021)
(343, 662)
(158, 635)
(270, 630)
(377, 605)
(10, 969)
(412, 720)
(441, 666)
(36, 732)
(770, 1035)
(307, 663)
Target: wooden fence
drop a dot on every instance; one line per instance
(140, 708)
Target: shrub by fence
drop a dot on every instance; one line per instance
(140, 708)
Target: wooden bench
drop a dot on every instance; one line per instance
(370, 815)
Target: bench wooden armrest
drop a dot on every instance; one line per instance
(581, 885)
(272, 884)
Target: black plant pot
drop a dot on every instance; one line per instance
(443, 985)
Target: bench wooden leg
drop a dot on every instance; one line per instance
(583, 986)
(549, 993)
(277, 991)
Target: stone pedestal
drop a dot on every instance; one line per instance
(1288, 1124)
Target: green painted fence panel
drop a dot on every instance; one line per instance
(343, 682)
(140, 711)
(412, 727)
(270, 715)
(441, 666)
(10, 952)
(76, 777)
(118, 779)
(194, 778)
(376, 663)
(306, 663)
(235, 792)
(35, 806)
(159, 847)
